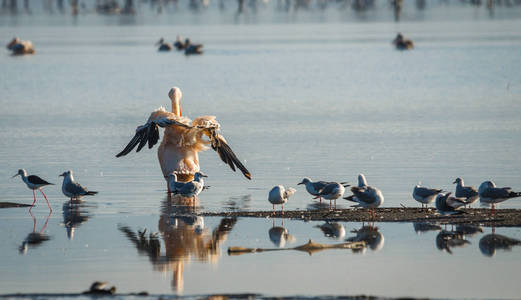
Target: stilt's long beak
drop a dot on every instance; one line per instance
(61, 175)
(15, 175)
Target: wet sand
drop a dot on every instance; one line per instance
(481, 216)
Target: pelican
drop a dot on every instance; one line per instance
(163, 46)
(280, 195)
(72, 189)
(34, 182)
(424, 195)
(19, 47)
(468, 192)
(182, 141)
(401, 43)
(365, 195)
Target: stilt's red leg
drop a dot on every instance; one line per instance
(48, 204)
(34, 196)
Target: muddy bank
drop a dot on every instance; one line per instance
(481, 216)
(12, 204)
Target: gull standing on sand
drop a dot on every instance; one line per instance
(72, 189)
(313, 188)
(187, 189)
(424, 195)
(332, 191)
(468, 192)
(365, 195)
(182, 141)
(447, 205)
(34, 182)
(490, 194)
(280, 195)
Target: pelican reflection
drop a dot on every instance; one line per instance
(185, 238)
(370, 235)
(35, 238)
(74, 214)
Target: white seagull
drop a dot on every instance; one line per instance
(34, 182)
(332, 191)
(313, 188)
(280, 195)
(447, 205)
(365, 195)
(187, 189)
(72, 189)
(182, 141)
(490, 194)
(424, 195)
(468, 192)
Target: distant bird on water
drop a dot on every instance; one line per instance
(490, 194)
(34, 182)
(193, 48)
(447, 205)
(401, 43)
(19, 47)
(163, 46)
(365, 195)
(179, 44)
(468, 192)
(424, 195)
(280, 195)
(182, 141)
(72, 189)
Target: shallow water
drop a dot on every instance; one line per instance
(324, 100)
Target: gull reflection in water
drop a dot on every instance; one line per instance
(422, 227)
(445, 240)
(35, 238)
(74, 214)
(185, 238)
(491, 242)
(369, 234)
(279, 235)
(332, 230)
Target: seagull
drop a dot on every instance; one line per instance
(366, 196)
(163, 46)
(182, 141)
(447, 205)
(313, 188)
(72, 189)
(34, 182)
(192, 48)
(424, 195)
(332, 191)
(179, 45)
(19, 47)
(490, 194)
(401, 43)
(187, 189)
(468, 192)
(280, 195)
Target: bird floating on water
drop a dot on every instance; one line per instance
(424, 195)
(193, 48)
(447, 205)
(72, 189)
(490, 194)
(280, 195)
(19, 47)
(34, 182)
(187, 189)
(182, 141)
(163, 45)
(468, 192)
(365, 195)
(179, 44)
(401, 43)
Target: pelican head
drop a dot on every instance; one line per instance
(458, 180)
(13, 42)
(21, 172)
(66, 173)
(175, 95)
(304, 181)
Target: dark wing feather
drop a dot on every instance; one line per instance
(425, 192)
(225, 152)
(36, 180)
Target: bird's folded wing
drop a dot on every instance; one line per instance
(149, 132)
(455, 202)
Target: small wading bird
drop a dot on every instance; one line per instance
(447, 205)
(34, 182)
(187, 189)
(163, 46)
(280, 195)
(72, 189)
(468, 192)
(182, 141)
(19, 47)
(401, 43)
(365, 195)
(490, 194)
(424, 195)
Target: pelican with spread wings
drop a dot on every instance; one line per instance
(182, 141)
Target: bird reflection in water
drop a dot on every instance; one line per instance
(35, 238)
(369, 234)
(332, 230)
(489, 243)
(279, 235)
(184, 236)
(422, 227)
(74, 214)
(445, 240)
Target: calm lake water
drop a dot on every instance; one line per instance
(324, 100)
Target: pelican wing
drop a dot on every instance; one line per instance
(149, 132)
(209, 126)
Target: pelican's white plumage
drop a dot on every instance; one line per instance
(182, 141)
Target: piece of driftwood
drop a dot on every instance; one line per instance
(310, 247)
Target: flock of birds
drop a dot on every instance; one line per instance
(187, 46)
